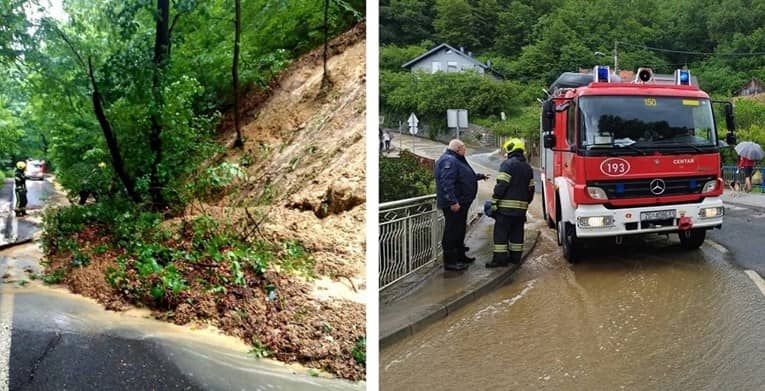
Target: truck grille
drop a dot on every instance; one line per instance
(636, 188)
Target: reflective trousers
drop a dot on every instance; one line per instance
(508, 238)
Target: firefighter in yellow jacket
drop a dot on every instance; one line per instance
(512, 195)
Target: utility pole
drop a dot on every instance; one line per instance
(616, 57)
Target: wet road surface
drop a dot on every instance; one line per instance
(642, 316)
(51, 339)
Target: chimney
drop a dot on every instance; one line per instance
(488, 63)
(462, 49)
(470, 54)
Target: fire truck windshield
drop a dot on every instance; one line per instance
(632, 123)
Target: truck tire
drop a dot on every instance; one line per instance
(569, 241)
(692, 238)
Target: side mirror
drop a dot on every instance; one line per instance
(729, 120)
(548, 140)
(548, 116)
(730, 138)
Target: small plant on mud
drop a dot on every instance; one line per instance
(259, 350)
(79, 259)
(297, 260)
(360, 351)
(55, 277)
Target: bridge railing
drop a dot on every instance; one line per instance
(731, 173)
(410, 236)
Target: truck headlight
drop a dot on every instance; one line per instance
(596, 221)
(706, 213)
(597, 193)
(709, 186)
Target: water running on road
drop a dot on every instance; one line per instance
(643, 316)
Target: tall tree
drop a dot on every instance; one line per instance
(455, 22)
(235, 72)
(161, 58)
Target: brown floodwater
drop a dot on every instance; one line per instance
(642, 316)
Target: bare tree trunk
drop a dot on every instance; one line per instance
(161, 51)
(239, 143)
(325, 81)
(106, 127)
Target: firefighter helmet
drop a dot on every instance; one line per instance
(514, 144)
(21, 165)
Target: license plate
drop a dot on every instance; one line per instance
(657, 215)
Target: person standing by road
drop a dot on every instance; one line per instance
(456, 188)
(20, 181)
(512, 194)
(387, 137)
(746, 168)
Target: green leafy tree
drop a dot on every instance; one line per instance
(454, 23)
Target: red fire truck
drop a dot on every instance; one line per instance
(626, 158)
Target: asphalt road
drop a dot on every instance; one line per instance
(742, 234)
(51, 339)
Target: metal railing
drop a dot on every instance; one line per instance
(731, 173)
(410, 236)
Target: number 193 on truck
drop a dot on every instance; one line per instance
(630, 157)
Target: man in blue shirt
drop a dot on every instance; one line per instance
(456, 188)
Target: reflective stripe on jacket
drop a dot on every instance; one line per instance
(515, 186)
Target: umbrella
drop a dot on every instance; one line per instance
(750, 150)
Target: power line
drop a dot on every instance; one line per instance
(690, 52)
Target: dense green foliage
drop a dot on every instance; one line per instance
(403, 177)
(47, 102)
(532, 42)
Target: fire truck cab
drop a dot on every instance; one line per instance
(627, 158)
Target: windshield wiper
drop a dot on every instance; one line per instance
(636, 149)
(679, 146)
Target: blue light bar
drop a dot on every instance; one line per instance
(601, 74)
(683, 77)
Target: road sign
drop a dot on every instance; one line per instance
(457, 118)
(413, 122)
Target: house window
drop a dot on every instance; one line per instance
(437, 67)
(452, 66)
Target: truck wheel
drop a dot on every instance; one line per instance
(569, 242)
(692, 239)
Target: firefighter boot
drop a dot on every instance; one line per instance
(500, 257)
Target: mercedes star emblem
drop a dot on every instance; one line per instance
(657, 186)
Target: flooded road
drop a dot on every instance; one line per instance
(642, 316)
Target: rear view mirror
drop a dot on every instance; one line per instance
(729, 120)
(548, 116)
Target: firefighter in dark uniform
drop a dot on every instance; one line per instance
(456, 188)
(21, 189)
(512, 195)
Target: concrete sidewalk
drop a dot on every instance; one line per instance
(431, 294)
(745, 200)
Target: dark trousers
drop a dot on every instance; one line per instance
(508, 238)
(21, 201)
(453, 241)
